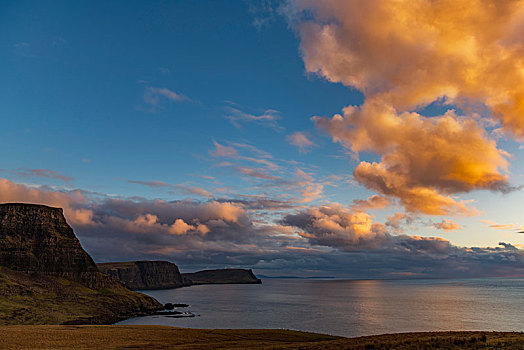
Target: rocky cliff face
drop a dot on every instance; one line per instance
(37, 238)
(165, 275)
(223, 276)
(145, 274)
(46, 277)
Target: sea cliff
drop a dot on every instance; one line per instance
(46, 277)
(145, 274)
(142, 275)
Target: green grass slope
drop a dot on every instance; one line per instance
(40, 299)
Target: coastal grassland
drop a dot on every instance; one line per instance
(159, 337)
(39, 299)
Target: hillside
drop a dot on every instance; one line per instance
(40, 299)
(46, 277)
(223, 276)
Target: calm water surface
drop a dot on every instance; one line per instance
(350, 308)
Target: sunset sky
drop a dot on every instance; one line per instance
(303, 137)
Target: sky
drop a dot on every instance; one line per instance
(351, 139)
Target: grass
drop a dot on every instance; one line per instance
(159, 337)
(37, 299)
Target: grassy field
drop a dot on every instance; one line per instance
(158, 337)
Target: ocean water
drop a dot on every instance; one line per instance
(349, 307)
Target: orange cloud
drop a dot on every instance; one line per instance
(71, 202)
(334, 225)
(78, 211)
(494, 225)
(411, 53)
(447, 225)
(423, 160)
(372, 202)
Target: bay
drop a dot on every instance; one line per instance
(350, 307)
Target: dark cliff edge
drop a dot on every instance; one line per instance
(145, 274)
(46, 277)
(223, 276)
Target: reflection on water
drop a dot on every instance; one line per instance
(351, 308)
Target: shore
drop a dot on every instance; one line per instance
(158, 337)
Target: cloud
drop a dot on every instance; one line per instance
(199, 191)
(310, 189)
(403, 56)
(268, 118)
(423, 160)
(152, 95)
(494, 225)
(335, 226)
(256, 173)
(51, 174)
(372, 202)
(231, 152)
(223, 151)
(409, 54)
(372, 248)
(74, 203)
(396, 221)
(338, 227)
(263, 12)
(447, 225)
(185, 189)
(300, 140)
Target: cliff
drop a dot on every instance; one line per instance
(145, 274)
(223, 276)
(37, 238)
(47, 277)
(165, 275)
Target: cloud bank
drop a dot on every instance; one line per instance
(406, 55)
(331, 239)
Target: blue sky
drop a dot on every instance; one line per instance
(200, 102)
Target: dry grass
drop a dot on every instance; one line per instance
(146, 337)
(160, 337)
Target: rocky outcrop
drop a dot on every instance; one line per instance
(37, 238)
(46, 277)
(223, 276)
(145, 274)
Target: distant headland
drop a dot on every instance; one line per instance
(142, 275)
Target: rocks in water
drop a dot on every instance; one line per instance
(171, 306)
(223, 276)
(145, 274)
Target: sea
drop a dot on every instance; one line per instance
(349, 308)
